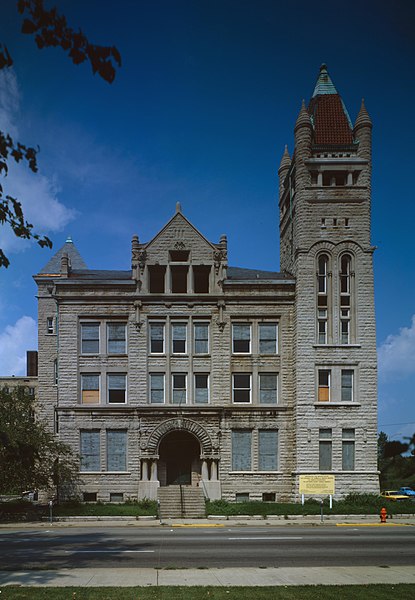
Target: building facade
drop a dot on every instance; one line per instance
(184, 370)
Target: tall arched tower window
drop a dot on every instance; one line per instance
(345, 298)
(322, 299)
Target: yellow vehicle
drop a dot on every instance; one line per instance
(393, 495)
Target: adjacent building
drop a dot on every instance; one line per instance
(184, 370)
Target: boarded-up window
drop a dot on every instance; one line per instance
(268, 338)
(268, 449)
(90, 388)
(90, 338)
(116, 450)
(347, 385)
(324, 385)
(156, 388)
(116, 388)
(241, 338)
(268, 388)
(201, 333)
(157, 338)
(325, 450)
(179, 388)
(116, 338)
(201, 388)
(241, 450)
(348, 449)
(242, 387)
(90, 451)
(179, 338)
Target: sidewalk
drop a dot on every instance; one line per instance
(210, 577)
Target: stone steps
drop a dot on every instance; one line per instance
(181, 502)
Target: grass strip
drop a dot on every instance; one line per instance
(317, 592)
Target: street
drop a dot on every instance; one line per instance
(220, 547)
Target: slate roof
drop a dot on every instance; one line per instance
(100, 275)
(331, 121)
(240, 274)
(54, 265)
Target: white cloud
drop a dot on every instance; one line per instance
(37, 193)
(14, 341)
(397, 353)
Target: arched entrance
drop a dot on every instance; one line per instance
(179, 461)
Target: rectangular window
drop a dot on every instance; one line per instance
(90, 451)
(345, 325)
(116, 497)
(201, 388)
(324, 385)
(116, 450)
(50, 325)
(348, 449)
(347, 385)
(157, 388)
(268, 340)
(179, 388)
(157, 338)
(90, 338)
(241, 450)
(178, 337)
(201, 275)
(325, 450)
(157, 278)
(241, 387)
(268, 388)
(241, 338)
(201, 338)
(178, 279)
(117, 388)
(90, 388)
(268, 449)
(55, 371)
(322, 325)
(116, 338)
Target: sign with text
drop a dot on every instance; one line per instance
(317, 484)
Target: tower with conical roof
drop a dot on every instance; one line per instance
(325, 197)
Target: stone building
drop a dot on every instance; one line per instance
(235, 381)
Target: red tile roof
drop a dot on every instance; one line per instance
(330, 121)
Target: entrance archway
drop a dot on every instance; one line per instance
(179, 461)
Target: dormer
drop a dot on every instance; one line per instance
(179, 260)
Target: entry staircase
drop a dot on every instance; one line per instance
(181, 502)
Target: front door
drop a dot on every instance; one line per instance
(178, 450)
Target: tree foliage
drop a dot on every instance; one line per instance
(50, 30)
(396, 462)
(30, 455)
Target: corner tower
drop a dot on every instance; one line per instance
(325, 198)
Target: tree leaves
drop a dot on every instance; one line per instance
(51, 29)
(30, 456)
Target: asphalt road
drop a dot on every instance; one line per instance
(180, 547)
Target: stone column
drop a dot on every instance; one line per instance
(154, 471)
(205, 471)
(144, 469)
(214, 470)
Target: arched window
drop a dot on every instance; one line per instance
(345, 298)
(322, 298)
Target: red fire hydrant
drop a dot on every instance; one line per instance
(383, 515)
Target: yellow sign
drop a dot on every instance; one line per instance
(317, 484)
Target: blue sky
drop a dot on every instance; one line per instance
(200, 111)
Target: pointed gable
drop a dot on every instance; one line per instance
(179, 235)
(331, 121)
(75, 260)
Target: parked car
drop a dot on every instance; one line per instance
(393, 495)
(407, 491)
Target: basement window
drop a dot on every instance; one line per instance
(268, 497)
(90, 497)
